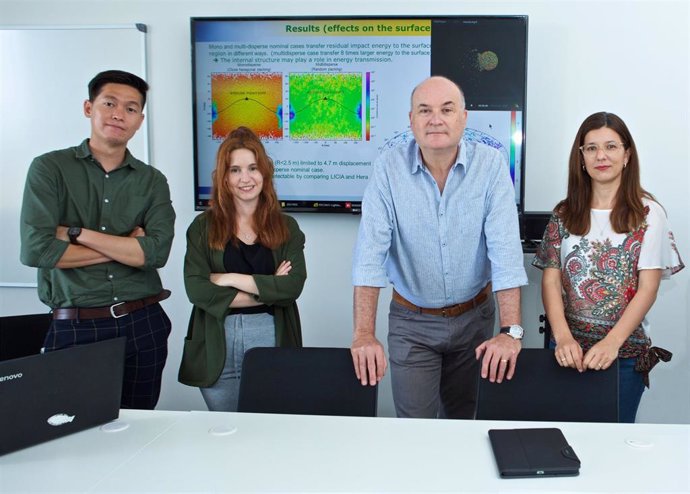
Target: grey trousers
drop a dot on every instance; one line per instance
(242, 332)
(434, 372)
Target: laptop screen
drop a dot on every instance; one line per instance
(50, 395)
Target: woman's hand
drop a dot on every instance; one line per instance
(220, 279)
(245, 282)
(602, 355)
(284, 268)
(242, 282)
(569, 353)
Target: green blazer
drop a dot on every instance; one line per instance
(203, 355)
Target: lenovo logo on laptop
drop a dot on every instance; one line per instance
(10, 377)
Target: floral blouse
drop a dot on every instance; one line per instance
(599, 272)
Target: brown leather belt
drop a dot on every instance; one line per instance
(115, 311)
(451, 310)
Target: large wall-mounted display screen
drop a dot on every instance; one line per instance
(327, 95)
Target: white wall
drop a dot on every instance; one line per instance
(629, 57)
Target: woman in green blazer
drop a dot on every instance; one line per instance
(244, 269)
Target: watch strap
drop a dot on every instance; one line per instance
(515, 331)
(73, 233)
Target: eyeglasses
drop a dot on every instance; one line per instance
(610, 149)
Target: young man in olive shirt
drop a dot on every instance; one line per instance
(97, 223)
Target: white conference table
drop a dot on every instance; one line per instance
(233, 452)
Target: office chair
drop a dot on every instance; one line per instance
(309, 381)
(545, 329)
(21, 336)
(542, 390)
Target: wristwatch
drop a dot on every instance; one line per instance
(73, 232)
(515, 331)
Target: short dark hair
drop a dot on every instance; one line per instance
(117, 77)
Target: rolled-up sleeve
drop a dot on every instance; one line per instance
(159, 224)
(198, 267)
(39, 217)
(375, 232)
(503, 233)
(284, 290)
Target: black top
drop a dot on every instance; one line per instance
(249, 259)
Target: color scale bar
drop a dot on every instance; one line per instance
(368, 105)
(513, 129)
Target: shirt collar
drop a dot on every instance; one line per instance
(84, 151)
(417, 164)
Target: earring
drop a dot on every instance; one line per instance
(583, 167)
(625, 163)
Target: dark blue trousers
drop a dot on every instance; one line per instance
(147, 332)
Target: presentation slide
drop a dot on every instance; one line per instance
(326, 96)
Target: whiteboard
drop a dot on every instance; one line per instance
(44, 73)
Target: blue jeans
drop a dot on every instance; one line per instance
(242, 332)
(630, 388)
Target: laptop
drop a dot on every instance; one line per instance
(533, 453)
(51, 395)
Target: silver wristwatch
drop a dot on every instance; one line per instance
(515, 331)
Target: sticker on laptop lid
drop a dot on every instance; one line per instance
(60, 419)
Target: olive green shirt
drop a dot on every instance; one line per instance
(203, 356)
(70, 188)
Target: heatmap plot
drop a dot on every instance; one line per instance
(325, 106)
(252, 100)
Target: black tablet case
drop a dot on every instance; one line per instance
(533, 453)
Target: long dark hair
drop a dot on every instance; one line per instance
(628, 210)
(269, 223)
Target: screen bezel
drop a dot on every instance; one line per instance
(339, 206)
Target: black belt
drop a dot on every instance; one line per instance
(451, 310)
(113, 311)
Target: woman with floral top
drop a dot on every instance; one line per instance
(605, 249)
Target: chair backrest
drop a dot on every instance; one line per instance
(21, 336)
(309, 381)
(543, 390)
